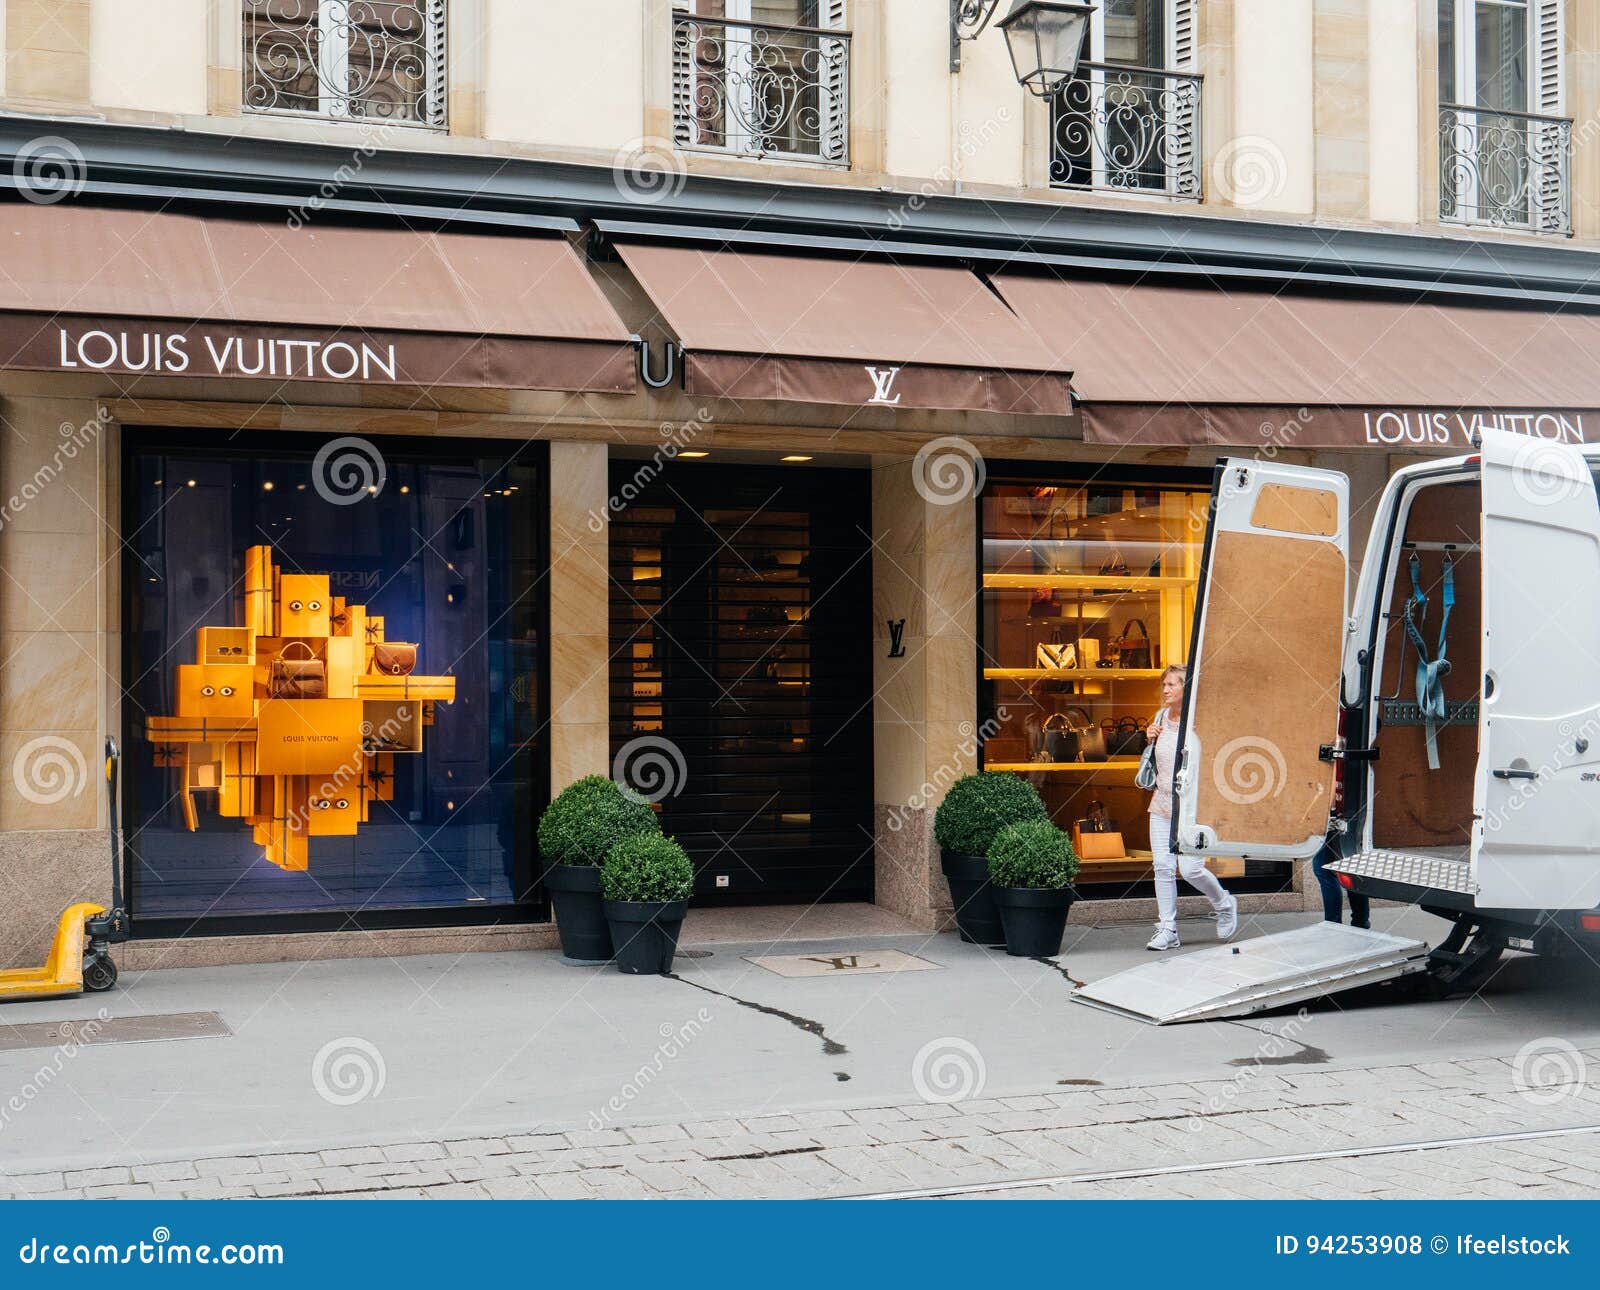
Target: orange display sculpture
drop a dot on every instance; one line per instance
(294, 719)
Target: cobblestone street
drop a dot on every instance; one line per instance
(1458, 1129)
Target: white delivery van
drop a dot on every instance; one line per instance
(1438, 731)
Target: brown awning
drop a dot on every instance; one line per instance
(824, 329)
(86, 288)
(1159, 364)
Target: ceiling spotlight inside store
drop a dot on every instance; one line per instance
(1046, 39)
(405, 488)
(795, 456)
(266, 486)
(191, 483)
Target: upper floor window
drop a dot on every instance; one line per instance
(762, 78)
(372, 60)
(1505, 149)
(1130, 119)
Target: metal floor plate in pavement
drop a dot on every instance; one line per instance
(113, 1030)
(1237, 979)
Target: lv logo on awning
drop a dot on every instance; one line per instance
(883, 379)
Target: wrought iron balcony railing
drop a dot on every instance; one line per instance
(366, 60)
(1127, 129)
(1508, 169)
(761, 91)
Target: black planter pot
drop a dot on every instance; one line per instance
(1035, 919)
(645, 933)
(575, 893)
(977, 916)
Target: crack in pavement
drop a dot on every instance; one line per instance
(830, 1047)
(1061, 968)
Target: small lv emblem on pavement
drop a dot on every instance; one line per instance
(897, 637)
(839, 963)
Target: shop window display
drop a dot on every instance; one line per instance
(1088, 593)
(334, 708)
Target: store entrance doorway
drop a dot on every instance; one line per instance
(741, 672)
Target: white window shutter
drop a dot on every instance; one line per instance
(683, 118)
(833, 83)
(1551, 142)
(436, 104)
(1183, 114)
(1550, 45)
(1184, 37)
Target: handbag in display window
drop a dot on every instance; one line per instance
(297, 678)
(1090, 739)
(1056, 656)
(1126, 739)
(393, 658)
(1096, 837)
(1044, 604)
(1135, 651)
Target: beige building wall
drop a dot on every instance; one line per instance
(150, 55)
(1314, 109)
(1394, 92)
(59, 650)
(1268, 163)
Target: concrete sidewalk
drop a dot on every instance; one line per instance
(365, 1053)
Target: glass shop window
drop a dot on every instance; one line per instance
(1088, 593)
(334, 666)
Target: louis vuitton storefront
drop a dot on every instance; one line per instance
(363, 541)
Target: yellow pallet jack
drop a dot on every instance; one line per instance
(80, 956)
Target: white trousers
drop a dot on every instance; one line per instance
(1168, 867)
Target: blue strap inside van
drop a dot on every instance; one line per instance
(1430, 672)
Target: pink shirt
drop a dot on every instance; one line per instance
(1166, 757)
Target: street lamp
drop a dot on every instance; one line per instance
(1046, 41)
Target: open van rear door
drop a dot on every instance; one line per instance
(1536, 835)
(1264, 664)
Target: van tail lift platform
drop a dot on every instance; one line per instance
(80, 956)
(1236, 980)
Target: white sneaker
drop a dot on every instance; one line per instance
(1228, 918)
(1164, 941)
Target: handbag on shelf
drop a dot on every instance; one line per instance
(1135, 651)
(394, 658)
(1088, 652)
(1055, 655)
(1096, 837)
(1127, 738)
(1091, 740)
(1044, 604)
(297, 678)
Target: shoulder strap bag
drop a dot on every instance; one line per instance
(1146, 776)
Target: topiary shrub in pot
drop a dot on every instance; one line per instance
(1031, 868)
(646, 882)
(975, 809)
(576, 833)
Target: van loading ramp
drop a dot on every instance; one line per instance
(1239, 978)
